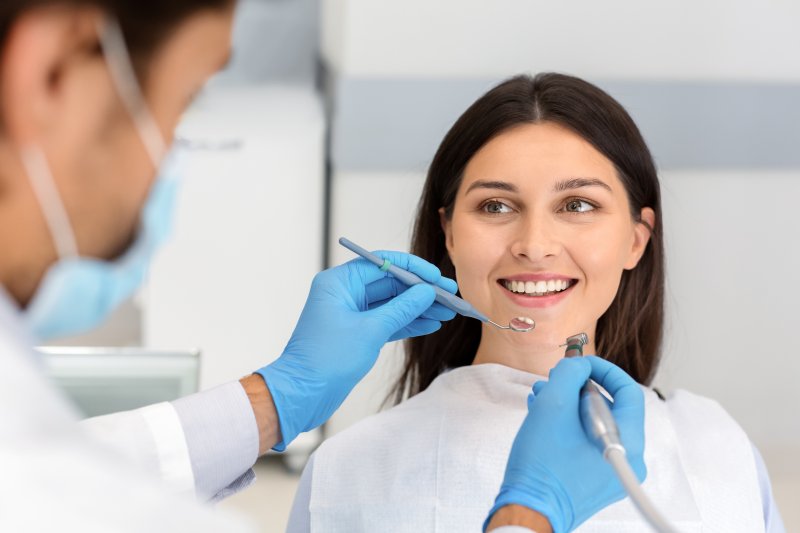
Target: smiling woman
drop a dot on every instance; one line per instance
(542, 201)
(510, 246)
(545, 162)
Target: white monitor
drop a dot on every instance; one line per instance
(107, 380)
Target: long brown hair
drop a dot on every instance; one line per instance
(629, 333)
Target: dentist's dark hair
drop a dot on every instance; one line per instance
(629, 333)
(145, 23)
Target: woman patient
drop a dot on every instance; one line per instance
(542, 201)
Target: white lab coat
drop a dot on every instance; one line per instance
(59, 476)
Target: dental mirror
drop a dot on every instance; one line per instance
(521, 324)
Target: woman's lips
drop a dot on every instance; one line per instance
(531, 300)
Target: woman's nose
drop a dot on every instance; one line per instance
(536, 238)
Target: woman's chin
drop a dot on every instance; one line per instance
(535, 340)
(546, 335)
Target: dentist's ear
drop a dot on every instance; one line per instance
(641, 236)
(50, 60)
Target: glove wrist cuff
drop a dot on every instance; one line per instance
(286, 420)
(543, 502)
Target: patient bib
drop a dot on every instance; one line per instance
(435, 462)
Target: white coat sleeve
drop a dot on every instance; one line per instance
(205, 443)
(68, 484)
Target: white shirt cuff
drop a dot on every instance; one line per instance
(221, 434)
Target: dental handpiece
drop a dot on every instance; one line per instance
(599, 423)
(597, 415)
(451, 301)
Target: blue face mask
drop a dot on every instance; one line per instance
(78, 293)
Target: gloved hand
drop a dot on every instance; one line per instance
(556, 469)
(351, 312)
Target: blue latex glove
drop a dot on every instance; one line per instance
(351, 312)
(556, 469)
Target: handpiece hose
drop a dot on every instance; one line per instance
(600, 424)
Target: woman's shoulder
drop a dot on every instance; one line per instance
(380, 457)
(689, 411)
(461, 400)
(691, 406)
(387, 427)
(702, 429)
(711, 446)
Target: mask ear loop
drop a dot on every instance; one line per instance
(124, 79)
(35, 161)
(55, 214)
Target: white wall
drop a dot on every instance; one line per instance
(247, 241)
(619, 39)
(376, 211)
(274, 41)
(732, 300)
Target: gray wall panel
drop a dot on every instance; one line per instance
(391, 125)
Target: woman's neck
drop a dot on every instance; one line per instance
(528, 352)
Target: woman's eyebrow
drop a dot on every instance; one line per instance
(497, 185)
(577, 183)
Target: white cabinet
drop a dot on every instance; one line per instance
(248, 232)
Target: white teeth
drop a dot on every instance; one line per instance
(530, 287)
(537, 288)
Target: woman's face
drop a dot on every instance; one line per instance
(541, 227)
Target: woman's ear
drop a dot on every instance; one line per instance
(641, 236)
(45, 46)
(446, 224)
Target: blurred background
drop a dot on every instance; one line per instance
(326, 120)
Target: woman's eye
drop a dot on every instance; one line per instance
(496, 208)
(578, 206)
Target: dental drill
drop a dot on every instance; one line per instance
(599, 423)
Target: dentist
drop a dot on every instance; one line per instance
(90, 94)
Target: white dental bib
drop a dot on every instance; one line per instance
(435, 462)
